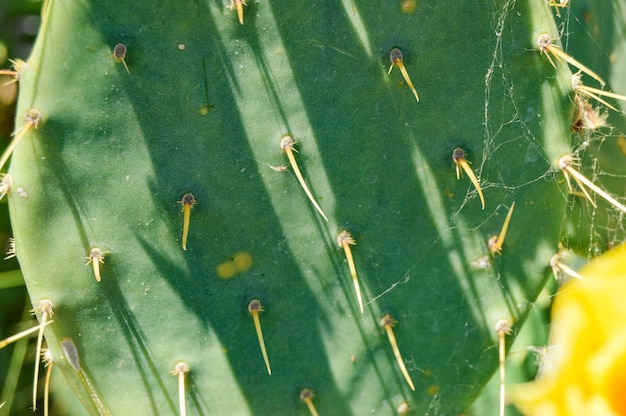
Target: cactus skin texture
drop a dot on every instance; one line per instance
(202, 109)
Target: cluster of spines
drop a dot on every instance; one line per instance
(586, 118)
(46, 311)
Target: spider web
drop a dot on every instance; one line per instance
(600, 152)
(594, 35)
(589, 230)
(589, 33)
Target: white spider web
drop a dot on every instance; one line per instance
(590, 230)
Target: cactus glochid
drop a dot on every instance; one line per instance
(195, 113)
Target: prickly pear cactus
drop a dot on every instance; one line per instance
(199, 103)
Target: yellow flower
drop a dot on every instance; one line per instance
(587, 356)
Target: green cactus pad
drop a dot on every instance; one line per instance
(202, 109)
